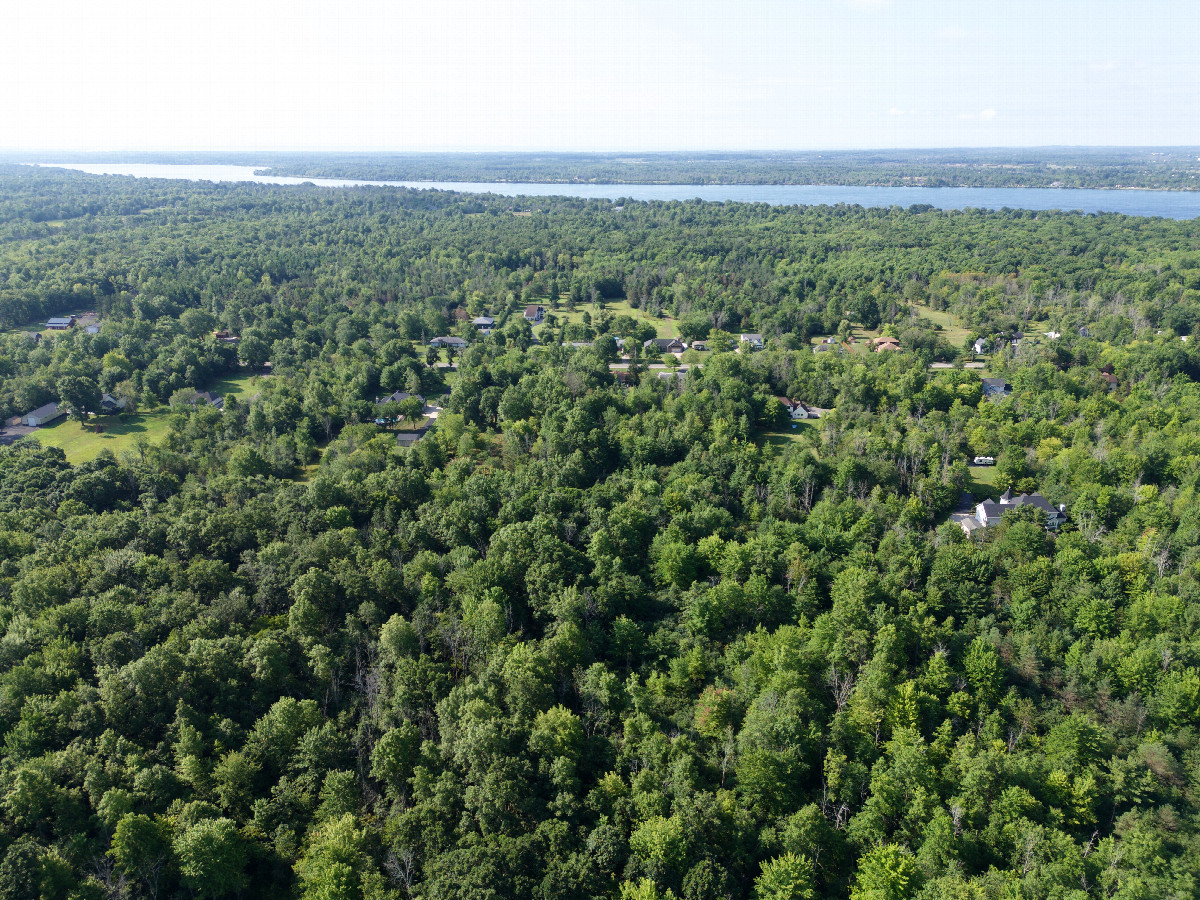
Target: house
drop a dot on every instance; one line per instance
(535, 314)
(699, 345)
(398, 397)
(996, 387)
(754, 340)
(408, 438)
(983, 461)
(43, 415)
(110, 404)
(980, 345)
(1111, 380)
(483, 322)
(1084, 331)
(797, 410)
(884, 343)
(665, 345)
(35, 336)
(225, 337)
(61, 323)
(990, 512)
(1053, 335)
(91, 329)
(214, 400)
(455, 343)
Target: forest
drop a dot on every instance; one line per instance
(606, 629)
(1168, 168)
(1163, 168)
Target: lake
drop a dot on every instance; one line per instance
(1167, 204)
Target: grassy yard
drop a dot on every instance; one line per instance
(951, 328)
(782, 437)
(38, 327)
(664, 327)
(241, 386)
(120, 433)
(983, 482)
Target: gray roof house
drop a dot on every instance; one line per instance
(408, 438)
(995, 387)
(667, 345)
(110, 404)
(43, 415)
(483, 321)
(456, 342)
(61, 323)
(754, 340)
(990, 512)
(398, 397)
(210, 398)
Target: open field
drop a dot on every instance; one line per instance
(664, 327)
(244, 386)
(950, 328)
(983, 482)
(120, 433)
(782, 437)
(35, 327)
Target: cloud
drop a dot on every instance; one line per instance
(869, 4)
(953, 33)
(1106, 65)
(984, 115)
(897, 111)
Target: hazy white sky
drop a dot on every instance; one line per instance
(612, 75)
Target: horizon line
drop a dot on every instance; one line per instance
(534, 150)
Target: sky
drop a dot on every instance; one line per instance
(377, 75)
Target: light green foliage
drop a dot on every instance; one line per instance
(787, 877)
(886, 872)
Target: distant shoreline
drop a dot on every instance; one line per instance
(1165, 169)
(271, 172)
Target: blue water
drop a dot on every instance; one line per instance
(1167, 204)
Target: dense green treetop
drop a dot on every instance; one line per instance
(587, 638)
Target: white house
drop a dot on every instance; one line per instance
(989, 512)
(754, 340)
(43, 415)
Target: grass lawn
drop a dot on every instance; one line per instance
(780, 438)
(38, 327)
(983, 481)
(239, 385)
(664, 327)
(120, 433)
(951, 329)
